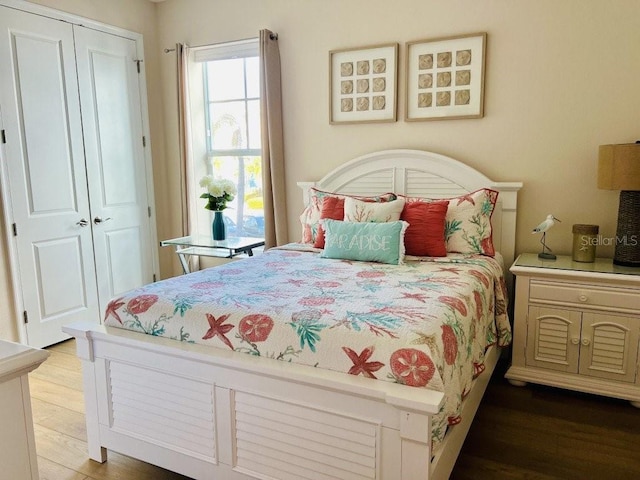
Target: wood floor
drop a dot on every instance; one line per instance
(544, 433)
(519, 433)
(58, 417)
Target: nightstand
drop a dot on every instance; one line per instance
(18, 457)
(577, 326)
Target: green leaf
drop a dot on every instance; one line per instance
(451, 227)
(308, 333)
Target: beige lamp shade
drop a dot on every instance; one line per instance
(619, 167)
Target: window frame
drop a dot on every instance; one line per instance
(245, 50)
(217, 152)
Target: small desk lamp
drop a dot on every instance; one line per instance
(619, 169)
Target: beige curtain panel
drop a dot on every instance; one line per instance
(273, 180)
(187, 187)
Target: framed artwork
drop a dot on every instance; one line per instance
(362, 84)
(445, 78)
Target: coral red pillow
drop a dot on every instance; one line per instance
(332, 208)
(425, 235)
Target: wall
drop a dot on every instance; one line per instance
(561, 79)
(134, 15)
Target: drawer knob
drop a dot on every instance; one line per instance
(583, 298)
(586, 342)
(575, 340)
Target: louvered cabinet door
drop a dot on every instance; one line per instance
(553, 339)
(609, 347)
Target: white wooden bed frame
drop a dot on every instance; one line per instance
(215, 414)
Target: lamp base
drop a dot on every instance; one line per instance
(622, 263)
(627, 251)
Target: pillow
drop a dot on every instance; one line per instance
(468, 223)
(425, 234)
(310, 217)
(358, 211)
(368, 242)
(332, 208)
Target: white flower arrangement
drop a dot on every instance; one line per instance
(219, 192)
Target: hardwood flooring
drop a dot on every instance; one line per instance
(544, 433)
(518, 433)
(58, 415)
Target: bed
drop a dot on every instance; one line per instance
(290, 410)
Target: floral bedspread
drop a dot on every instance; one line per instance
(423, 324)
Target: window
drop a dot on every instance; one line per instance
(229, 122)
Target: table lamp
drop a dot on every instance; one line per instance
(619, 169)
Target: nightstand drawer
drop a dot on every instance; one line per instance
(575, 294)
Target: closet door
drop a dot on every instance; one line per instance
(112, 122)
(45, 174)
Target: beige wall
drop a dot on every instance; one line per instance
(561, 79)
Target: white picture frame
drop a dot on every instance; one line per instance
(362, 84)
(445, 78)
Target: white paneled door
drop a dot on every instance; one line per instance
(75, 170)
(111, 117)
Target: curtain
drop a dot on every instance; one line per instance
(187, 187)
(273, 181)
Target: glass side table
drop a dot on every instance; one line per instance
(205, 246)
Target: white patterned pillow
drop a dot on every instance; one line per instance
(358, 211)
(310, 217)
(468, 223)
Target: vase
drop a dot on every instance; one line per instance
(217, 228)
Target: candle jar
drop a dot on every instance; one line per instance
(585, 238)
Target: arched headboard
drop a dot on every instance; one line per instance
(424, 174)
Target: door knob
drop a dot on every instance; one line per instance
(82, 222)
(98, 220)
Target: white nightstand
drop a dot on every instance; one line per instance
(17, 442)
(577, 326)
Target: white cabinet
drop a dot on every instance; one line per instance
(577, 325)
(18, 458)
(592, 344)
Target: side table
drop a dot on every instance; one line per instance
(577, 326)
(17, 441)
(207, 247)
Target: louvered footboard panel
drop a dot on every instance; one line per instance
(290, 441)
(170, 411)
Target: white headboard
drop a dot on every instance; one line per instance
(424, 174)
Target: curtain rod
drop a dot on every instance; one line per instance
(273, 36)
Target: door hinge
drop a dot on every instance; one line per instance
(25, 316)
(154, 277)
(138, 62)
(3, 137)
(149, 211)
(144, 141)
(14, 227)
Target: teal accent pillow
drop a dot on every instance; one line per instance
(367, 242)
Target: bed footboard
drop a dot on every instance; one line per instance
(208, 413)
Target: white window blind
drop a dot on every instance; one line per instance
(227, 50)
